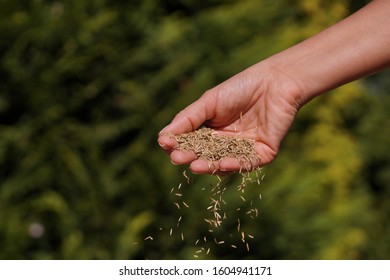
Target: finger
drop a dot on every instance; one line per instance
(203, 167)
(207, 167)
(167, 143)
(265, 152)
(230, 165)
(182, 157)
(187, 120)
(238, 165)
(192, 117)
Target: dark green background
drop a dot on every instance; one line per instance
(85, 87)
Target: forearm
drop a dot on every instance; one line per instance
(353, 48)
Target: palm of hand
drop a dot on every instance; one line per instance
(245, 106)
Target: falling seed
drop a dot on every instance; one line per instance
(196, 142)
(199, 251)
(196, 242)
(250, 236)
(170, 232)
(195, 256)
(178, 222)
(172, 190)
(208, 251)
(149, 238)
(182, 236)
(218, 242)
(185, 175)
(185, 204)
(247, 247)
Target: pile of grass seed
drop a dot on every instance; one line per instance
(210, 146)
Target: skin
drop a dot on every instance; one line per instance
(262, 101)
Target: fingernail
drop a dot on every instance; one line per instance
(162, 145)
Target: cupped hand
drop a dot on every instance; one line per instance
(256, 104)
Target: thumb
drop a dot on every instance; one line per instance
(190, 118)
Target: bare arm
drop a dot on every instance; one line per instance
(355, 47)
(262, 101)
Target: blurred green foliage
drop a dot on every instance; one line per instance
(86, 86)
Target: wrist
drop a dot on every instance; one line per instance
(284, 84)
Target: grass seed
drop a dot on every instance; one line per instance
(210, 146)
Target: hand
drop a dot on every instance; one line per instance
(258, 104)
(261, 102)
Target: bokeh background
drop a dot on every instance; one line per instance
(85, 87)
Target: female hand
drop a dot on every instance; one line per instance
(257, 104)
(261, 102)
